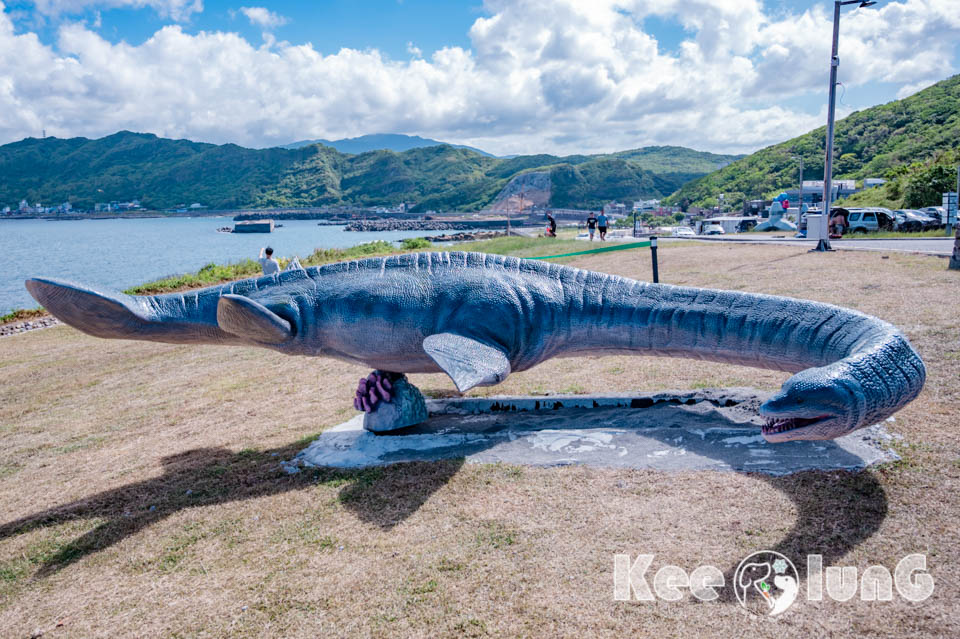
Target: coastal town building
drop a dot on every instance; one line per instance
(615, 209)
(642, 206)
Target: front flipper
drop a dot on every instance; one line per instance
(468, 362)
(243, 317)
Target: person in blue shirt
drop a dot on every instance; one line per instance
(602, 226)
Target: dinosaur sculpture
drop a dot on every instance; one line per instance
(479, 317)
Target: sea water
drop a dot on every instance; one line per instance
(115, 254)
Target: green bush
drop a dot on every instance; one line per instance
(416, 244)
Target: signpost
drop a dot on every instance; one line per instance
(950, 206)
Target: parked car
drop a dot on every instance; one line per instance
(907, 221)
(937, 212)
(683, 231)
(863, 220)
(929, 221)
(712, 229)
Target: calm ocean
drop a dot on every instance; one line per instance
(117, 254)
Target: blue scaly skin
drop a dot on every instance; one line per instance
(479, 317)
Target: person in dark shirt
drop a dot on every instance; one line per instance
(591, 225)
(552, 226)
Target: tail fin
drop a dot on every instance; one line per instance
(98, 314)
(173, 318)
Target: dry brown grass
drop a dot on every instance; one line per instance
(140, 493)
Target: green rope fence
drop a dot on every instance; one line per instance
(605, 249)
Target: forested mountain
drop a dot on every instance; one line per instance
(164, 173)
(161, 173)
(908, 141)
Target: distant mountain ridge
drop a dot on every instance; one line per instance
(909, 141)
(380, 141)
(164, 173)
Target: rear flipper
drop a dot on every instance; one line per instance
(90, 311)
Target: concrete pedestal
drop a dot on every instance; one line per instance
(689, 430)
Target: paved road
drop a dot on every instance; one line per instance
(933, 246)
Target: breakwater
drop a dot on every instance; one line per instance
(465, 237)
(427, 225)
(402, 225)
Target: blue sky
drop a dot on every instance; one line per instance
(510, 76)
(387, 25)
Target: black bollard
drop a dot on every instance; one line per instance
(653, 255)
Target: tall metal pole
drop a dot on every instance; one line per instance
(800, 193)
(824, 243)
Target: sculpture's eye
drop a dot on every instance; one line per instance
(799, 400)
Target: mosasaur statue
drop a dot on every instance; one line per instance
(479, 317)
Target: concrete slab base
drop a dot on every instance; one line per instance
(682, 430)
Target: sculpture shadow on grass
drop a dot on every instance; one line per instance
(836, 510)
(210, 476)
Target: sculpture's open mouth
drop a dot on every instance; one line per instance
(774, 426)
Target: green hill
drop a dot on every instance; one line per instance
(445, 177)
(909, 141)
(161, 173)
(164, 173)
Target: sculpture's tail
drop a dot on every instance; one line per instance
(168, 318)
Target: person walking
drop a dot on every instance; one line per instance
(267, 263)
(602, 226)
(591, 225)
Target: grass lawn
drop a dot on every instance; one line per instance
(141, 493)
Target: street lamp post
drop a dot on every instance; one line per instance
(824, 243)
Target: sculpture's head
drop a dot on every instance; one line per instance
(818, 403)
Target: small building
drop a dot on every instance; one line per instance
(869, 183)
(642, 206)
(757, 207)
(615, 209)
(254, 226)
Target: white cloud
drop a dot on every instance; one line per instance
(560, 76)
(263, 17)
(175, 9)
